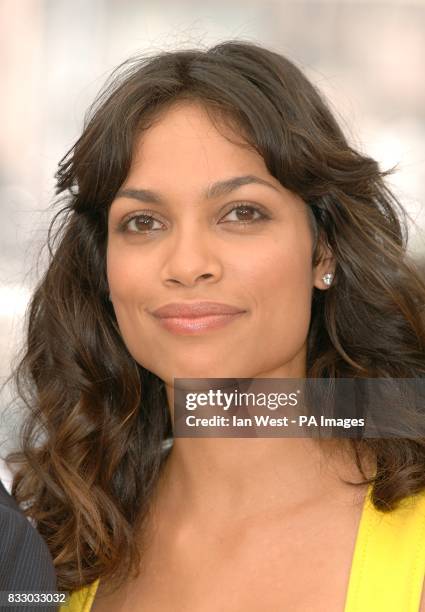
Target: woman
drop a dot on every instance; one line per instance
(219, 176)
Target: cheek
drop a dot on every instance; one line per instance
(279, 282)
(129, 285)
(282, 273)
(125, 274)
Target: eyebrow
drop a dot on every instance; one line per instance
(215, 190)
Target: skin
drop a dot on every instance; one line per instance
(198, 249)
(263, 267)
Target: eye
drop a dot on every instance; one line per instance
(140, 224)
(245, 212)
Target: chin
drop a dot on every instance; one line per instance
(212, 371)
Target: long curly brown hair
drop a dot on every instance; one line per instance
(90, 453)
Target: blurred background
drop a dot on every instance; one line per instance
(366, 56)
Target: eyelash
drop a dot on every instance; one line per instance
(124, 226)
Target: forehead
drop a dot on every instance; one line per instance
(184, 139)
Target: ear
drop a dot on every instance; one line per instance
(325, 265)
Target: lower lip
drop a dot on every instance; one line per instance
(196, 325)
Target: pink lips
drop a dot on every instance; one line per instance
(194, 317)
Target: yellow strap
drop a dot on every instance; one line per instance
(388, 565)
(82, 599)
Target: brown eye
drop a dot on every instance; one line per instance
(140, 224)
(245, 213)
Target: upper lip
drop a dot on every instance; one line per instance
(195, 309)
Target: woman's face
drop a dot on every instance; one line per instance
(175, 236)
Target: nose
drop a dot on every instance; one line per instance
(190, 255)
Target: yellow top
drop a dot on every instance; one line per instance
(388, 566)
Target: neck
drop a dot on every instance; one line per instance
(227, 479)
(231, 478)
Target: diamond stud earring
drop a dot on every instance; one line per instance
(327, 278)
